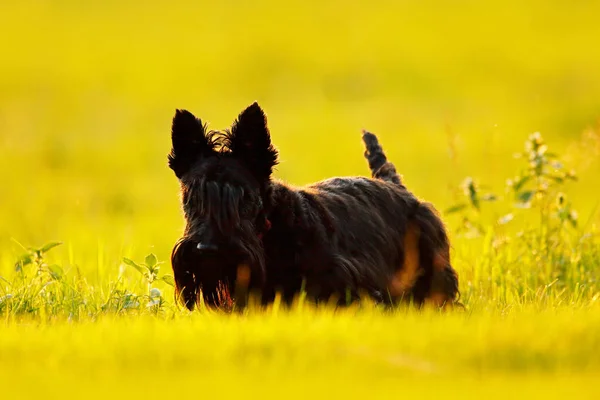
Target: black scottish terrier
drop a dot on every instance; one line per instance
(340, 238)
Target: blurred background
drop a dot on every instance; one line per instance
(453, 88)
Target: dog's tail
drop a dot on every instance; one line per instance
(380, 167)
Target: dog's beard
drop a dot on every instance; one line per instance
(221, 277)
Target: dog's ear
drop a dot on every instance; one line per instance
(190, 143)
(250, 142)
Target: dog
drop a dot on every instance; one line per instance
(341, 238)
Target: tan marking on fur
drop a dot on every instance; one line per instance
(439, 299)
(404, 279)
(243, 275)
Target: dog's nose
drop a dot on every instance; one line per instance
(207, 247)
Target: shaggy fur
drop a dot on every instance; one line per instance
(340, 238)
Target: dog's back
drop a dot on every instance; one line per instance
(354, 235)
(345, 235)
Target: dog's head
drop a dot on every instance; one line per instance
(225, 180)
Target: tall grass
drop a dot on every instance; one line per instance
(538, 254)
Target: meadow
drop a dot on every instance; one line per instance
(89, 210)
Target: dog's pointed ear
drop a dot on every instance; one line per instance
(190, 143)
(250, 142)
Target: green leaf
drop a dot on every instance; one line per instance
(556, 179)
(517, 185)
(133, 264)
(526, 196)
(473, 195)
(489, 197)
(456, 208)
(49, 246)
(168, 279)
(131, 302)
(24, 260)
(154, 270)
(571, 177)
(56, 272)
(150, 261)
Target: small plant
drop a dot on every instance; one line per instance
(470, 207)
(542, 216)
(538, 186)
(121, 299)
(150, 269)
(34, 287)
(35, 256)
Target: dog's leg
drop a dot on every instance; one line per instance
(185, 288)
(242, 287)
(444, 283)
(426, 270)
(406, 276)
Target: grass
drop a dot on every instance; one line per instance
(453, 89)
(307, 353)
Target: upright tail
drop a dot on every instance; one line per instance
(380, 167)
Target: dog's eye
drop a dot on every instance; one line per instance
(249, 208)
(246, 210)
(246, 197)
